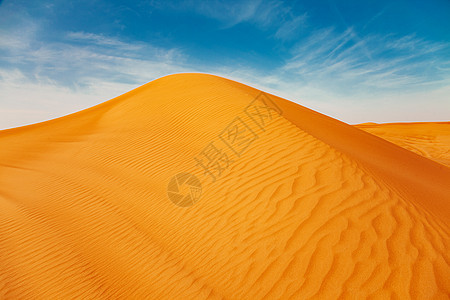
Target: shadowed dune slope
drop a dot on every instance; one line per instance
(293, 204)
(431, 140)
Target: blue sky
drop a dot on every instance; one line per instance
(357, 61)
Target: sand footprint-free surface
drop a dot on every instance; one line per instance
(197, 187)
(431, 139)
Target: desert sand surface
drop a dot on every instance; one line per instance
(430, 139)
(292, 204)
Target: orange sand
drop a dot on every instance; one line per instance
(431, 140)
(310, 208)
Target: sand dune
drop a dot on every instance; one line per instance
(431, 140)
(273, 201)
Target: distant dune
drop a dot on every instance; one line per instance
(197, 187)
(431, 140)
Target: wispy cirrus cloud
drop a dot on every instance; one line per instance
(339, 60)
(273, 16)
(101, 40)
(227, 13)
(289, 28)
(80, 55)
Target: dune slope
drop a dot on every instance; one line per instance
(197, 187)
(431, 139)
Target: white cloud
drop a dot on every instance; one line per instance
(276, 16)
(339, 61)
(229, 13)
(290, 27)
(102, 40)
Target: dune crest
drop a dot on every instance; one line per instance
(289, 203)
